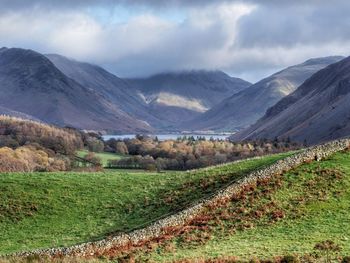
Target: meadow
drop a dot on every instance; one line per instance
(286, 216)
(41, 210)
(281, 218)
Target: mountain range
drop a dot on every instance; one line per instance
(308, 101)
(30, 84)
(175, 97)
(244, 108)
(319, 110)
(107, 85)
(66, 92)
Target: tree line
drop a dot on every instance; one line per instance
(188, 153)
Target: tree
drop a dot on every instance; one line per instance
(95, 145)
(121, 148)
(93, 159)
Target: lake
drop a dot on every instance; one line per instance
(163, 137)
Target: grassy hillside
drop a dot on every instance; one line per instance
(40, 210)
(285, 216)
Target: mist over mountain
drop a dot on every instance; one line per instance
(178, 96)
(319, 110)
(31, 84)
(244, 108)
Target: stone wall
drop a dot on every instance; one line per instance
(155, 229)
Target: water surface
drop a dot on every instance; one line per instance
(172, 136)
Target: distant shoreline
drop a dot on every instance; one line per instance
(170, 136)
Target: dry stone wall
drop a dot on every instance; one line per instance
(154, 230)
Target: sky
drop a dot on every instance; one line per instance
(136, 38)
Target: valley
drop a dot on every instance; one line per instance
(179, 131)
(196, 100)
(65, 182)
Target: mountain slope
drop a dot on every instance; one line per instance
(8, 112)
(108, 85)
(180, 96)
(319, 110)
(247, 106)
(31, 84)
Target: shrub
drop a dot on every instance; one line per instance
(10, 163)
(346, 259)
(93, 159)
(290, 259)
(328, 249)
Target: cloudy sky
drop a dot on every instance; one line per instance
(249, 39)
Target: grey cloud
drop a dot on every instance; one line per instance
(298, 24)
(183, 47)
(274, 35)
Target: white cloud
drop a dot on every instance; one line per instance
(245, 39)
(75, 35)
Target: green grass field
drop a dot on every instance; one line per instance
(104, 156)
(41, 210)
(312, 204)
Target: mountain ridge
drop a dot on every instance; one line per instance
(183, 95)
(317, 111)
(244, 108)
(111, 87)
(31, 84)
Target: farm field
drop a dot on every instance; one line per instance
(41, 210)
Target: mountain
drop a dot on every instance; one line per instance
(244, 108)
(31, 84)
(319, 110)
(162, 100)
(112, 88)
(8, 112)
(178, 96)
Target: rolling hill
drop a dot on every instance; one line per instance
(178, 96)
(244, 108)
(32, 85)
(319, 110)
